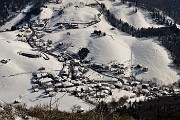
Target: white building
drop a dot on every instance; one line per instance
(45, 80)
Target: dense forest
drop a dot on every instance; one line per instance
(10, 7)
(161, 108)
(169, 7)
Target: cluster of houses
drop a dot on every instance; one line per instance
(70, 75)
(72, 78)
(146, 88)
(25, 33)
(99, 33)
(139, 87)
(79, 87)
(117, 70)
(141, 67)
(61, 26)
(55, 1)
(113, 70)
(36, 41)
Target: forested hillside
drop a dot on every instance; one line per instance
(169, 7)
(10, 7)
(168, 36)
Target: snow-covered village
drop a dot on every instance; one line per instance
(72, 55)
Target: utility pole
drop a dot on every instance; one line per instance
(131, 63)
(131, 56)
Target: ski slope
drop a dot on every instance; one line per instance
(116, 46)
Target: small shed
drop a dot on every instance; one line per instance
(145, 69)
(65, 71)
(49, 89)
(30, 54)
(45, 80)
(145, 86)
(49, 30)
(67, 84)
(58, 85)
(118, 85)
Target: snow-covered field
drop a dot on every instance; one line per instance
(116, 46)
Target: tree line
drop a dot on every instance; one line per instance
(169, 36)
(10, 7)
(169, 7)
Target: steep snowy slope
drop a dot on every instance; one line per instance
(122, 11)
(149, 53)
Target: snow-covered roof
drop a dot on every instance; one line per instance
(46, 13)
(45, 80)
(67, 84)
(58, 84)
(118, 84)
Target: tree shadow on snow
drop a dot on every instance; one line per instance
(138, 72)
(117, 4)
(131, 13)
